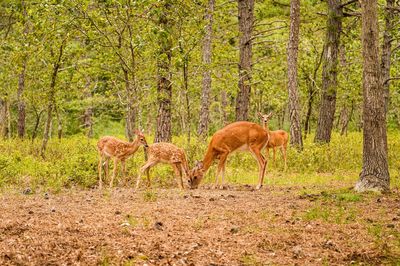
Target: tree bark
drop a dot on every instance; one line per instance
(292, 51)
(329, 72)
(5, 117)
(51, 104)
(21, 78)
(375, 173)
(206, 84)
(387, 49)
(245, 10)
(345, 118)
(164, 85)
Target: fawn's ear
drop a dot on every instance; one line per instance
(137, 132)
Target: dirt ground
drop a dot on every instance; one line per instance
(236, 226)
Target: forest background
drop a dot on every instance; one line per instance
(72, 71)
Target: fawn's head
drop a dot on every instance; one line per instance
(195, 175)
(141, 138)
(265, 118)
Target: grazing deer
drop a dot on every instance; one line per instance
(119, 150)
(163, 152)
(278, 138)
(245, 136)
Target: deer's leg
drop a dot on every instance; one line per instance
(105, 165)
(99, 170)
(178, 174)
(274, 155)
(221, 170)
(267, 156)
(284, 155)
(114, 171)
(144, 168)
(262, 163)
(123, 166)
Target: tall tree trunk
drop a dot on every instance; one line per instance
(292, 51)
(5, 117)
(51, 103)
(206, 84)
(246, 10)
(329, 72)
(21, 78)
(387, 49)
(375, 173)
(164, 85)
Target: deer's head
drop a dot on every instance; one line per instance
(141, 138)
(265, 118)
(196, 175)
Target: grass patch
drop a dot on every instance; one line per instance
(150, 196)
(331, 214)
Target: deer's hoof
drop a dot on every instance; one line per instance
(258, 187)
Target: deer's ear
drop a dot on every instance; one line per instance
(199, 164)
(270, 114)
(259, 114)
(137, 132)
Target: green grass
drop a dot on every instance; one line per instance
(72, 162)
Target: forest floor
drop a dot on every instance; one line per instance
(276, 225)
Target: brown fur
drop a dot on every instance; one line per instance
(239, 135)
(278, 139)
(168, 153)
(120, 150)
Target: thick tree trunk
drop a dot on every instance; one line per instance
(206, 84)
(329, 72)
(51, 104)
(164, 85)
(387, 49)
(292, 51)
(375, 172)
(246, 10)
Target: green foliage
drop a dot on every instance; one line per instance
(73, 162)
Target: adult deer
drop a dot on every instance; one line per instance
(163, 152)
(278, 138)
(245, 136)
(119, 150)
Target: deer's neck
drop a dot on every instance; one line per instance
(134, 145)
(208, 159)
(265, 126)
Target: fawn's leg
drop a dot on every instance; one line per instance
(178, 174)
(99, 170)
(114, 171)
(144, 168)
